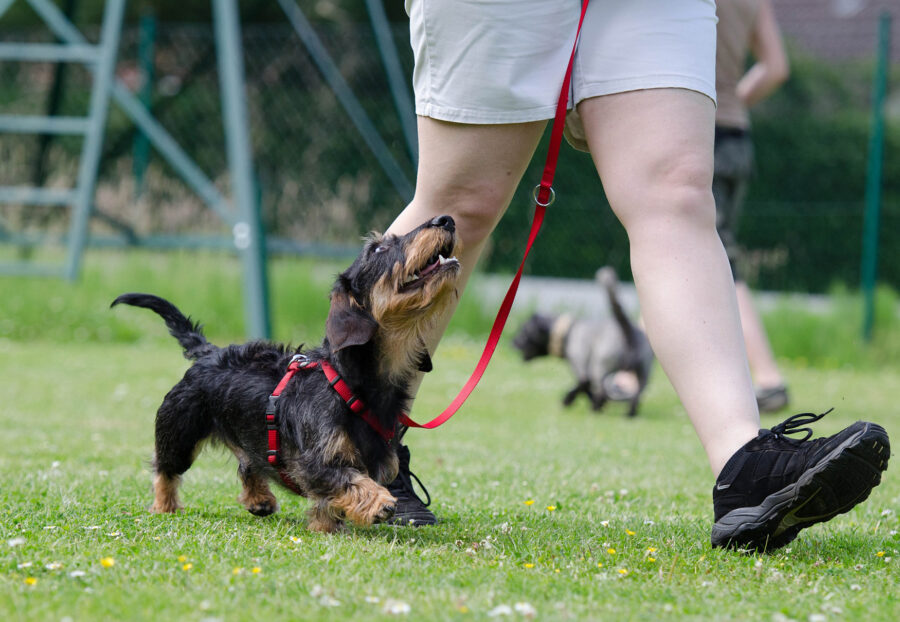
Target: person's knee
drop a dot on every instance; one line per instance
(476, 209)
(675, 193)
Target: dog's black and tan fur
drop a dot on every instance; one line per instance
(380, 308)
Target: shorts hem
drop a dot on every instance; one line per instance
(625, 85)
(485, 117)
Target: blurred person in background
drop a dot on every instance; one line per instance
(745, 26)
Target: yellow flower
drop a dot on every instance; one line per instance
(463, 609)
(599, 564)
(611, 551)
(551, 508)
(237, 570)
(30, 581)
(187, 566)
(629, 532)
(256, 570)
(651, 549)
(529, 502)
(880, 553)
(295, 539)
(556, 570)
(529, 565)
(182, 558)
(622, 571)
(651, 559)
(107, 562)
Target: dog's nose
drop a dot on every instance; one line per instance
(444, 222)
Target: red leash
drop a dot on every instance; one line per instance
(543, 197)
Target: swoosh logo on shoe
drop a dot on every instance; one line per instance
(723, 486)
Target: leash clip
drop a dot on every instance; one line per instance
(536, 194)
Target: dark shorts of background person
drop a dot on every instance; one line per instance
(731, 174)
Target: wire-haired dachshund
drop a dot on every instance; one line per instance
(380, 308)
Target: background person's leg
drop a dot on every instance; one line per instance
(762, 360)
(653, 150)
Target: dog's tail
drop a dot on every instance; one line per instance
(606, 276)
(188, 334)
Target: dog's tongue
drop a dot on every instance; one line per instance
(429, 268)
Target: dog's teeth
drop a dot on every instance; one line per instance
(411, 279)
(442, 260)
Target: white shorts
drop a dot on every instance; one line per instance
(503, 61)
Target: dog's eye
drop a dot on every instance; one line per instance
(380, 249)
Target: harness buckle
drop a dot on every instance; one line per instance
(300, 359)
(270, 408)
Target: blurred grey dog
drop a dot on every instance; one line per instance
(596, 349)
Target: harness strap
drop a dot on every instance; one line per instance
(355, 404)
(543, 197)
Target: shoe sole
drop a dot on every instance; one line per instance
(839, 481)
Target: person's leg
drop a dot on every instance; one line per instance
(733, 157)
(759, 351)
(653, 151)
(469, 172)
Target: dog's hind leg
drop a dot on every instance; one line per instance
(598, 399)
(180, 432)
(632, 409)
(581, 387)
(256, 495)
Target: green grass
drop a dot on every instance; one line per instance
(206, 285)
(76, 427)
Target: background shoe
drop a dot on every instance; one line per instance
(775, 486)
(409, 510)
(772, 399)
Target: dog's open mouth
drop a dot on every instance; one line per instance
(438, 263)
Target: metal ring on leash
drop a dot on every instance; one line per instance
(536, 192)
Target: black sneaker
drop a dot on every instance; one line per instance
(409, 510)
(774, 486)
(772, 399)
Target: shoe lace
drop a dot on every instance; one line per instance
(791, 425)
(406, 476)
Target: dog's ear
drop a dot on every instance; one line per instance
(348, 324)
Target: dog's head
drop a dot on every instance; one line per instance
(394, 292)
(533, 339)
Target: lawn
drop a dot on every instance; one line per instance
(546, 512)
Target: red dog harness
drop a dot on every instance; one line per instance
(300, 363)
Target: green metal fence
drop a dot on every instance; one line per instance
(332, 163)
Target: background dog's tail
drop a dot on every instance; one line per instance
(188, 334)
(606, 276)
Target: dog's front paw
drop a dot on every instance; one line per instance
(364, 502)
(386, 513)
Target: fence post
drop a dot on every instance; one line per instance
(249, 238)
(403, 101)
(146, 62)
(873, 177)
